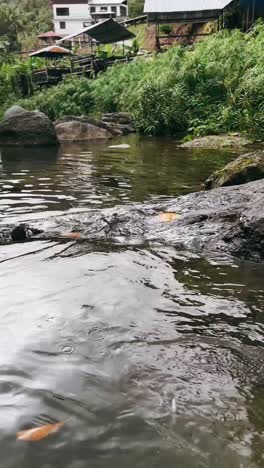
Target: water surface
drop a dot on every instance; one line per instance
(151, 357)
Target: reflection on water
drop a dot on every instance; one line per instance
(99, 175)
(152, 357)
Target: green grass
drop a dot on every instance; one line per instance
(140, 32)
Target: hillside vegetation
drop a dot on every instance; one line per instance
(214, 86)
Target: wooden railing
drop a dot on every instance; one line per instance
(134, 21)
(88, 66)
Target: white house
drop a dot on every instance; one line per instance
(71, 16)
(102, 9)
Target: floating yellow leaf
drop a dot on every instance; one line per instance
(38, 433)
(72, 235)
(168, 217)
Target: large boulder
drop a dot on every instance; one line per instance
(245, 168)
(86, 119)
(27, 129)
(218, 141)
(83, 129)
(12, 111)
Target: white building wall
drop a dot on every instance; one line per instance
(107, 8)
(78, 15)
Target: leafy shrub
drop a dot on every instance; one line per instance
(166, 29)
(215, 86)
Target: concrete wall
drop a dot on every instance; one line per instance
(101, 7)
(78, 15)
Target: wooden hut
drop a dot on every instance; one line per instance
(49, 37)
(53, 71)
(187, 12)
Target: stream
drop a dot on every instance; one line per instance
(150, 356)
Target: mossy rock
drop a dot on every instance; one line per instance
(246, 168)
(218, 141)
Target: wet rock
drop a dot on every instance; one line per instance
(118, 118)
(12, 111)
(120, 121)
(72, 128)
(218, 141)
(27, 129)
(23, 233)
(246, 168)
(224, 221)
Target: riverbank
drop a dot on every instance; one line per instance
(212, 87)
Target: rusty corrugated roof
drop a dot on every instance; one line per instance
(53, 51)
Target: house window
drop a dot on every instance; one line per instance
(62, 11)
(113, 9)
(92, 9)
(103, 8)
(123, 11)
(62, 25)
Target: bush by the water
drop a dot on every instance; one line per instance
(215, 86)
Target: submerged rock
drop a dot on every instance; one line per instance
(26, 129)
(246, 168)
(218, 141)
(228, 220)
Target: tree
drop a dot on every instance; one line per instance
(10, 25)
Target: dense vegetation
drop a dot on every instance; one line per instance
(25, 19)
(214, 86)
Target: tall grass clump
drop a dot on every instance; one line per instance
(214, 86)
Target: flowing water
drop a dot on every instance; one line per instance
(150, 356)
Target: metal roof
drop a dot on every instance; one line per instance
(180, 6)
(105, 2)
(49, 34)
(53, 51)
(105, 32)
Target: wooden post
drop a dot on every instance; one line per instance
(157, 43)
(47, 75)
(247, 25)
(253, 12)
(123, 48)
(92, 67)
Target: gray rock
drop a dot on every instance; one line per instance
(246, 168)
(78, 130)
(123, 118)
(218, 141)
(89, 120)
(27, 129)
(122, 129)
(12, 111)
(224, 221)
